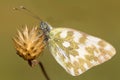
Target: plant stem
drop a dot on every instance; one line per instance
(43, 70)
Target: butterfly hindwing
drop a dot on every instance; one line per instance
(76, 51)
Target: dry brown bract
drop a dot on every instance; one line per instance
(29, 43)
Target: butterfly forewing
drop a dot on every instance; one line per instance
(76, 51)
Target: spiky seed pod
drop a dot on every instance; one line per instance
(29, 43)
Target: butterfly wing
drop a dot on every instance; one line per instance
(76, 51)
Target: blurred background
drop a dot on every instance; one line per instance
(100, 18)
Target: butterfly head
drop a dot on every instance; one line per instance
(45, 27)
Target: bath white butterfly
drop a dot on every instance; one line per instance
(76, 51)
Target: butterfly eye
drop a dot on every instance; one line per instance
(43, 25)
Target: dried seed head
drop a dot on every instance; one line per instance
(29, 43)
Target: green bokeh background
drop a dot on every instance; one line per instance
(97, 17)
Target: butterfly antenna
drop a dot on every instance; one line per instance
(28, 12)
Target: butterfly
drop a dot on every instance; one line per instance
(74, 50)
